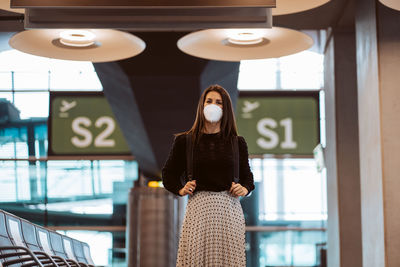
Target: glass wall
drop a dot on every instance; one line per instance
(290, 248)
(70, 193)
(287, 213)
(291, 209)
(301, 71)
(60, 192)
(25, 80)
(292, 190)
(100, 243)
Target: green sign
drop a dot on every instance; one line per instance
(83, 124)
(279, 123)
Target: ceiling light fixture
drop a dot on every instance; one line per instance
(394, 4)
(244, 44)
(245, 37)
(77, 38)
(95, 45)
(284, 7)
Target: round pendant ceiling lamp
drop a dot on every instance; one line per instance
(5, 5)
(394, 4)
(284, 7)
(95, 45)
(244, 44)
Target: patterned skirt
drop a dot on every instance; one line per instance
(213, 232)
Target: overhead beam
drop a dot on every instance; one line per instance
(141, 3)
(149, 19)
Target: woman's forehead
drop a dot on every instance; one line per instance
(213, 94)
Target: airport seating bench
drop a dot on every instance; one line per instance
(25, 244)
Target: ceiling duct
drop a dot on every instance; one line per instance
(149, 15)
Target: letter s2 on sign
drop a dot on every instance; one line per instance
(101, 140)
(77, 127)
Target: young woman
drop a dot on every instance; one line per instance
(213, 229)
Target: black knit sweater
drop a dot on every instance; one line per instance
(212, 165)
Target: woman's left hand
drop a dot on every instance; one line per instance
(238, 190)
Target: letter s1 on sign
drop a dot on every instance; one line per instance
(264, 128)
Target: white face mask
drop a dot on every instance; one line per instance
(212, 112)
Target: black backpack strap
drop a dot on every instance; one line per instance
(235, 150)
(189, 157)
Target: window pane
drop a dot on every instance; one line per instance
(6, 95)
(23, 180)
(270, 187)
(73, 75)
(302, 71)
(7, 181)
(69, 178)
(81, 81)
(13, 143)
(85, 206)
(290, 248)
(14, 60)
(291, 190)
(14, 181)
(39, 73)
(5, 81)
(31, 81)
(303, 190)
(35, 104)
(97, 184)
(257, 74)
(100, 243)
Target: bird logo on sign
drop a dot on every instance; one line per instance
(249, 107)
(65, 106)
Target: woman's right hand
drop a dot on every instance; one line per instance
(188, 188)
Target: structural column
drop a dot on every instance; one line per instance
(342, 150)
(378, 64)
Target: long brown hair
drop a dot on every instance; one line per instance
(228, 122)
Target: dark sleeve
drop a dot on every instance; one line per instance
(245, 174)
(175, 166)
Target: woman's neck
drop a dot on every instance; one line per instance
(212, 127)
